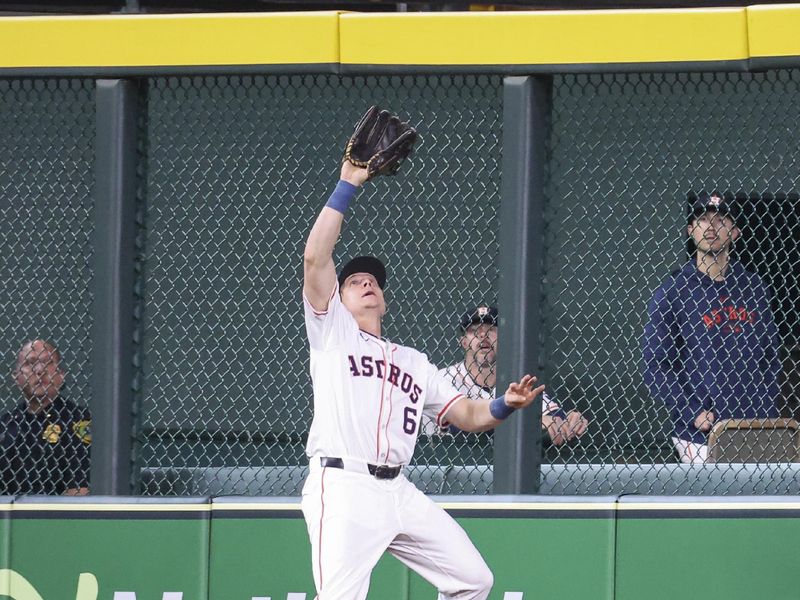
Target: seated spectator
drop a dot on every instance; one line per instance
(710, 344)
(476, 375)
(45, 440)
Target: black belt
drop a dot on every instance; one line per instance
(377, 471)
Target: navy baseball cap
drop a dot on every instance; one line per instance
(713, 201)
(364, 264)
(480, 314)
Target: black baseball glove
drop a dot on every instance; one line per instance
(380, 143)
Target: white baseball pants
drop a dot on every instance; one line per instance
(690, 452)
(353, 518)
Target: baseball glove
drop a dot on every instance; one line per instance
(380, 143)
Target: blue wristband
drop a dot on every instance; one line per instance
(341, 196)
(499, 409)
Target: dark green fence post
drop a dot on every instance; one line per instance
(113, 268)
(526, 106)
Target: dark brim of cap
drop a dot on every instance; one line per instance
(701, 210)
(478, 315)
(722, 209)
(364, 264)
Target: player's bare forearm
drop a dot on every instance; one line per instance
(472, 415)
(319, 271)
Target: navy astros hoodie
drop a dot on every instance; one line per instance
(711, 345)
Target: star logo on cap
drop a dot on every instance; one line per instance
(483, 311)
(714, 201)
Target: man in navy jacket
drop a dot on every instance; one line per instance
(710, 345)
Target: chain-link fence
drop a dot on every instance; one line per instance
(628, 153)
(237, 169)
(233, 170)
(46, 179)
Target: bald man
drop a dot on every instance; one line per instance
(45, 439)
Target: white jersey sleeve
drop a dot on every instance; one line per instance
(327, 329)
(441, 396)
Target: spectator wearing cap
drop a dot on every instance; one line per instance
(710, 344)
(476, 375)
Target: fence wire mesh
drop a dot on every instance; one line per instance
(232, 172)
(628, 155)
(46, 205)
(237, 169)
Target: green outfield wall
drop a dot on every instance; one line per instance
(252, 549)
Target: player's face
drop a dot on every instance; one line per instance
(713, 232)
(361, 292)
(39, 372)
(480, 344)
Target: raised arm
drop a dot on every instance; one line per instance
(319, 272)
(378, 146)
(482, 415)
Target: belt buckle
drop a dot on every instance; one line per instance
(385, 472)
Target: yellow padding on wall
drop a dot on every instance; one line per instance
(527, 38)
(488, 38)
(167, 40)
(774, 30)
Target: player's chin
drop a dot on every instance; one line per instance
(485, 355)
(370, 303)
(377, 307)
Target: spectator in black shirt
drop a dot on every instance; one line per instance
(45, 440)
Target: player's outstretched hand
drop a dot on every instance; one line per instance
(521, 393)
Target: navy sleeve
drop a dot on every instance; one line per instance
(80, 445)
(8, 435)
(661, 367)
(770, 342)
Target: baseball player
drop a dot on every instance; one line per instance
(369, 396)
(476, 375)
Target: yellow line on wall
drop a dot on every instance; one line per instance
(572, 506)
(529, 506)
(169, 40)
(85, 507)
(557, 37)
(245, 506)
(482, 506)
(721, 506)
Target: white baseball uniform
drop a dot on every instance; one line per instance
(458, 375)
(369, 397)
